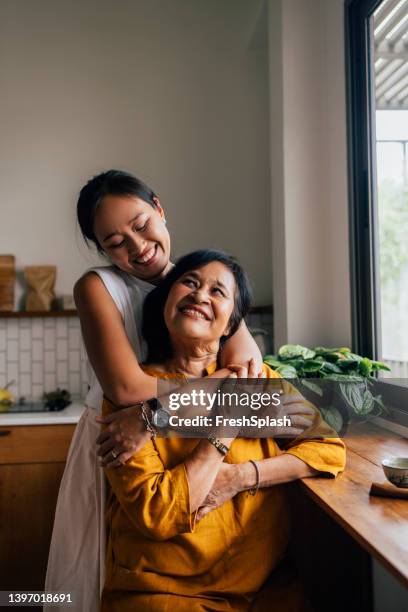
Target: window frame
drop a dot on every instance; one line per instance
(362, 193)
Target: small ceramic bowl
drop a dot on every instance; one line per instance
(396, 470)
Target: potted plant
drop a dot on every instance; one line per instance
(339, 382)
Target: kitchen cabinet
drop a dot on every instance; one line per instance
(32, 460)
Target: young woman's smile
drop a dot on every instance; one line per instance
(134, 236)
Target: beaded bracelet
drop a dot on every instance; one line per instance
(254, 490)
(149, 425)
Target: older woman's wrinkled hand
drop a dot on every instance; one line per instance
(226, 486)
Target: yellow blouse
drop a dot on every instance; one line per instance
(158, 558)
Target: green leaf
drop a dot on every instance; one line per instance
(320, 350)
(295, 363)
(272, 361)
(379, 365)
(290, 351)
(287, 371)
(312, 386)
(358, 397)
(368, 402)
(323, 350)
(331, 368)
(312, 365)
(346, 364)
(346, 378)
(378, 400)
(332, 417)
(356, 357)
(365, 367)
(354, 395)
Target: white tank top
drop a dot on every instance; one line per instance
(128, 293)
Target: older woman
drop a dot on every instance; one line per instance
(159, 556)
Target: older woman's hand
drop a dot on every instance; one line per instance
(226, 486)
(124, 435)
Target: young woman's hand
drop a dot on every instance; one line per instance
(242, 349)
(124, 435)
(252, 369)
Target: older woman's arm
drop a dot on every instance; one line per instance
(307, 459)
(317, 452)
(328, 460)
(160, 502)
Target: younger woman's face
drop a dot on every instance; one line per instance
(134, 236)
(200, 304)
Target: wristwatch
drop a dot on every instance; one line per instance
(160, 416)
(221, 448)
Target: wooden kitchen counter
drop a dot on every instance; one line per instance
(378, 524)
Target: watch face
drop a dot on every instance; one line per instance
(154, 404)
(160, 418)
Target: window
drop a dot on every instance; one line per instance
(377, 71)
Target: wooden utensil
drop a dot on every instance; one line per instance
(385, 489)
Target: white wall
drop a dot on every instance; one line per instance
(309, 172)
(169, 89)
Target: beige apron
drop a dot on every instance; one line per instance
(76, 562)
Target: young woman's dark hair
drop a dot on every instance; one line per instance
(154, 327)
(112, 182)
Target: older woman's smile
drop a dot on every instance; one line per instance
(194, 312)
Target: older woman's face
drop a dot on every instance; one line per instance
(200, 303)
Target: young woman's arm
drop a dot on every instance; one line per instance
(242, 349)
(109, 350)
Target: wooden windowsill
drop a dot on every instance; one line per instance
(378, 524)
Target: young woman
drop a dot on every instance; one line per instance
(124, 219)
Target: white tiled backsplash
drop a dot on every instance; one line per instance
(41, 354)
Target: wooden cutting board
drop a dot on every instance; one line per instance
(7, 282)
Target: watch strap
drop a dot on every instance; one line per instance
(222, 448)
